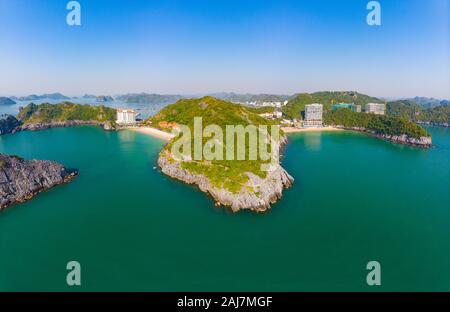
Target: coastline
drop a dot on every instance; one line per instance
(153, 132)
(321, 129)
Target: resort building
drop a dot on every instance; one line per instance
(313, 115)
(358, 108)
(352, 107)
(126, 116)
(375, 108)
(277, 114)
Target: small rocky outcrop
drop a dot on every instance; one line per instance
(110, 126)
(21, 180)
(257, 195)
(8, 124)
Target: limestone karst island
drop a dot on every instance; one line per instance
(195, 147)
(237, 184)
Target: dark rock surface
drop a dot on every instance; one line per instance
(21, 180)
(257, 195)
(8, 124)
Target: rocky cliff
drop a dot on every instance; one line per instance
(57, 124)
(257, 195)
(424, 142)
(8, 124)
(21, 180)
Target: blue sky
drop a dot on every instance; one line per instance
(204, 46)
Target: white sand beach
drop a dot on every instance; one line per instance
(154, 132)
(294, 130)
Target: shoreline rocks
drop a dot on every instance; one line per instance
(21, 180)
(8, 124)
(258, 195)
(58, 124)
(434, 124)
(423, 142)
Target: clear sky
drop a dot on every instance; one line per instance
(205, 46)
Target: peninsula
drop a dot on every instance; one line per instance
(44, 116)
(238, 184)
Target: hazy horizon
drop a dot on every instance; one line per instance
(198, 47)
(213, 93)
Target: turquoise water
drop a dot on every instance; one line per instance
(355, 199)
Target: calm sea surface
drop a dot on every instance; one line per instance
(355, 199)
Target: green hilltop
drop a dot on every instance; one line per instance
(228, 174)
(65, 111)
(212, 110)
(296, 105)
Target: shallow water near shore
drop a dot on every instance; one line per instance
(355, 199)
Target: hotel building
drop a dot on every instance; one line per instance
(375, 108)
(313, 115)
(126, 116)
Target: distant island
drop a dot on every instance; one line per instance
(51, 96)
(146, 98)
(250, 98)
(104, 98)
(6, 101)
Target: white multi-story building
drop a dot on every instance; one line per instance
(126, 116)
(376, 108)
(277, 113)
(313, 115)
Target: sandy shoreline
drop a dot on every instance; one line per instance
(322, 129)
(168, 136)
(153, 132)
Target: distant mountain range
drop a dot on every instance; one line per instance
(247, 97)
(146, 98)
(426, 102)
(6, 101)
(34, 97)
(104, 98)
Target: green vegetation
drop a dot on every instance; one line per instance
(228, 174)
(439, 115)
(411, 110)
(65, 111)
(149, 98)
(261, 110)
(296, 106)
(385, 125)
(403, 108)
(242, 98)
